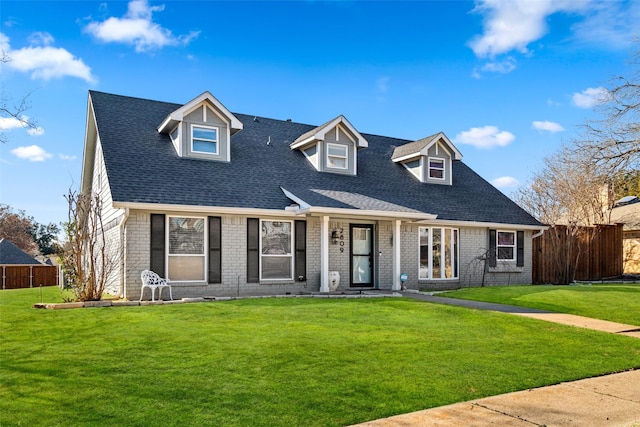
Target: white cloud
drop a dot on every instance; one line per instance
(8, 123)
(41, 38)
(513, 24)
(485, 137)
(505, 182)
(36, 131)
(552, 103)
(611, 24)
(136, 27)
(44, 61)
(66, 157)
(503, 67)
(589, 97)
(33, 153)
(547, 126)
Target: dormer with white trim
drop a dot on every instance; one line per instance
(202, 129)
(429, 159)
(332, 147)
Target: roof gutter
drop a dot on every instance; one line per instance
(318, 211)
(540, 228)
(164, 207)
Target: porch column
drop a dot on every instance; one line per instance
(324, 253)
(395, 268)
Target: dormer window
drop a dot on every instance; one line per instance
(202, 129)
(429, 159)
(436, 168)
(204, 139)
(337, 156)
(332, 147)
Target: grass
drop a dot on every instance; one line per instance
(613, 302)
(276, 362)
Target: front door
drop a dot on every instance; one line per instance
(361, 238)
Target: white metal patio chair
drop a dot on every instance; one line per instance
(152, 281)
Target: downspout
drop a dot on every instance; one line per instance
(123, 253)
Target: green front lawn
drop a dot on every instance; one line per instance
(613, 302)
(277, 361)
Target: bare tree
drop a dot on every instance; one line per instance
(568, 190)
(86, 260)
(14, 109)
(613, 141)
(568, 194)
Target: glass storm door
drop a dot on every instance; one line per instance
(361, 256)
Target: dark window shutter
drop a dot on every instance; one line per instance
(253, 250)
(492, 248)
(520, 248)
(301, 250)
(158, 240)
(215, 249)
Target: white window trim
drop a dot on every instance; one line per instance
(217, 140)
(455, 253)
(345, 157)
(279, 255)
(514, 246)
(204, 248)
(443, 169)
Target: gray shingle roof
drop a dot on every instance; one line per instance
(142, 166)
(412, 147)
(312, 131)
(11, 254)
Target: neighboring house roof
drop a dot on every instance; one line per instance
(143, 167)
(10, 254)
(628, 214)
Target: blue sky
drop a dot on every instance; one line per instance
(507, 81)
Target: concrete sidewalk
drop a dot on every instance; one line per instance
(607, 401)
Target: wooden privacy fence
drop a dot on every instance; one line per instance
(563, 254)
(29, 276)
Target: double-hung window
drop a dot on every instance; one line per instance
(276, 250)
(506, 245)
(438, 253)
(337, 156)
(186, 242)
(436, 168)
(204, 139)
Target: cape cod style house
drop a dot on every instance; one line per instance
(223, 204)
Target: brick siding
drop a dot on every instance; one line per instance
(472, 246)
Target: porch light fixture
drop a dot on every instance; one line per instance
(334, 237)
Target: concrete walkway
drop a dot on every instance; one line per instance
(607, 401)
(565, 319)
